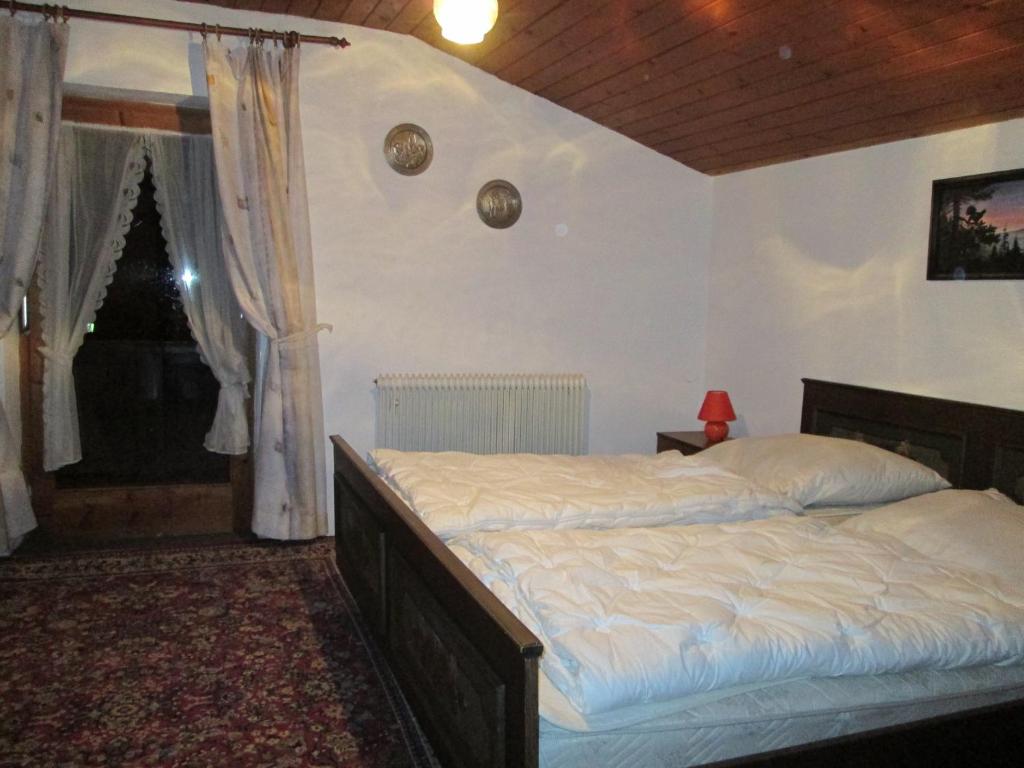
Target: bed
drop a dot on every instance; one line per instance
(469, 666)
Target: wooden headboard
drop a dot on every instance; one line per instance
(972, 446)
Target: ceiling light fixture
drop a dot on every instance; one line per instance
(465, 21)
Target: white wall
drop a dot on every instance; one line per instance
(605, 273)
(818, 270)
(413, 281)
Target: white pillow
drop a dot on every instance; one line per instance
(814, 469)
(982, 530)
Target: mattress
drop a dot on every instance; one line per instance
(772, 717)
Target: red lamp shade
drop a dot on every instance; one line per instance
(717, 407)
(716, 410)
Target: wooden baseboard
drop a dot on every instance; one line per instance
(133, 512)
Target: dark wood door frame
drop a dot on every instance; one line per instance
(123, 511)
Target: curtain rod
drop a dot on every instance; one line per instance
(64, 13)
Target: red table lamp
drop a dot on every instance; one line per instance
(716, 411)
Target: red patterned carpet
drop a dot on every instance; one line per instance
(227, 655)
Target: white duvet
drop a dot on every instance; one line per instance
(456, 493)
(636, 616)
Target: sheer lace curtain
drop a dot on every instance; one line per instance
(32, 56)
(98, 175)
(261, 178)
(190, 215)
(97, 186)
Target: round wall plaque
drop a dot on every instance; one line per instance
(499, 204)
(408, 149)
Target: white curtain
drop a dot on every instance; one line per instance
(96, 188)
(258, 151)
(32, 59)
(190, 217)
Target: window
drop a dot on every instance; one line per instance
(145, 399)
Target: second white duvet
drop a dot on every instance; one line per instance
(634, 616)
(457, 493)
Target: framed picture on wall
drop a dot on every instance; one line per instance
(977, 227)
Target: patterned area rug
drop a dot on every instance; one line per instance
(235, 654)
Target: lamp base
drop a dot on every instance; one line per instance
(716, 431)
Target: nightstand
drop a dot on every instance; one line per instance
(687, 443)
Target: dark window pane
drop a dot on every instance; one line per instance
(145, 399)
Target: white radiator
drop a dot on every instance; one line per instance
(483, 413)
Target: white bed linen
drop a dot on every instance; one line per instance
(456, 493)
(817, 470)
(834, 514)
(635, 616)
(797, 712)
(983, 530)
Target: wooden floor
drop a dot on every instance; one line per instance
(41, 542)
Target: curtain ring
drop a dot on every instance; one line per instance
(11, 8)
(216, 29)
(64, 14)
(203, 30)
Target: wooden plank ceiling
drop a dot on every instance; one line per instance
(723, 85)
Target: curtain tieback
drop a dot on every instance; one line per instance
(57, 358)
(303, 336)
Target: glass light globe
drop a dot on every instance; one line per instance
(465, 21)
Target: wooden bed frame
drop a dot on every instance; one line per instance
(469, 667)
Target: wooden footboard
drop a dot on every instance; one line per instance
(467, 665)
